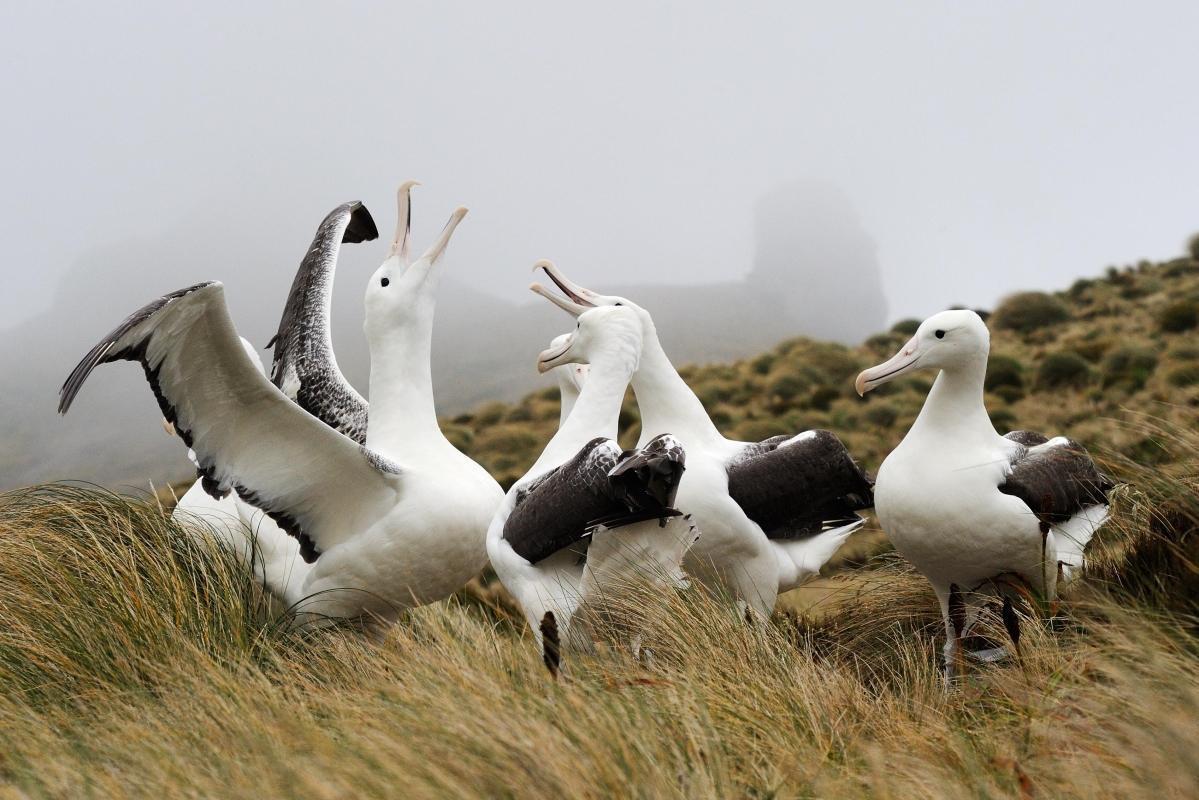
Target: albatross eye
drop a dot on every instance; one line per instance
(620, 304)
(939, 334)
(385, 281)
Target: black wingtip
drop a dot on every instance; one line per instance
(361, 227)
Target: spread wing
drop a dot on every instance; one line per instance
(796, 487)
(319, 485)
(1056, 478)
(304, 365)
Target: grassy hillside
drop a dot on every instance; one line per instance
(1082, 361)
(135, 662)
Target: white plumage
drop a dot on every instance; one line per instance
(964, 504)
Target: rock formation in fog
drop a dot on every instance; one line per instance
(813, 254)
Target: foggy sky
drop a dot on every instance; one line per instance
(984, 148)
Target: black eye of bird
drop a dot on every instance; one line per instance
(620, 304)
(385, 281)
(939, 334)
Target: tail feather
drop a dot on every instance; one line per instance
(800, 560)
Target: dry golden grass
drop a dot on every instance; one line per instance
(137, 663)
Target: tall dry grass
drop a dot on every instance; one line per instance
(137, 661)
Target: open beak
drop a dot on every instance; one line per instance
(433, 253)
(903, 361)
(399, 243)
(577, 298)
(555, 356)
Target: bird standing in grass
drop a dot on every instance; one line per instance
(967, 506)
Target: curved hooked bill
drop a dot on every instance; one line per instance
(554, 356)
(902, 362)
(577, 298)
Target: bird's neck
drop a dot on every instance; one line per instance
(954, 409)
(666, 402)
(402, 415)
(595, 413)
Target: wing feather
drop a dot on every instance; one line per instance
(304, 365)
(1056, 478)
(797, 487)
(321, 486)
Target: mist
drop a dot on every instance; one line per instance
(750, 173)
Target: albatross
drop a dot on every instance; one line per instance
(587, 514)
(770, 513)
(965, 505)
(306, 370)
(396, 522)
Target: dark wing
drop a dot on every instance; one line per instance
(1055, 478)
(1026, 438)
(555, 511)
(599, 486)
(304, 365)
(800, 486)
(319, 485)
(646, 481)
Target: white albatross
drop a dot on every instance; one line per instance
(965, 505)
(304, 344)
(397, 522)
(770, 513)
(587, 515)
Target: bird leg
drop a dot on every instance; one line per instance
(955, 617)
(551, 648)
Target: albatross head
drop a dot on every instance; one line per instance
(401, 292)
(605, 334)
(570, 376)
(945, 341)
(575, 299)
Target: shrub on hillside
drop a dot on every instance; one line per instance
(1003, 371)
(1028, 311)
(1187, 375)
(822, 398)
(788, 386)
(1063, 369)
(1129, 367)
(881, 415)
(884, 344)
(1092, 348)
(762, 364)
(906, 327)
(1002, 419)
(1193, 247)
(1179, 316)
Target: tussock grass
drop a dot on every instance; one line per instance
(137, 660)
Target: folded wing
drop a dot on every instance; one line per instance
(1056, 478)
(319, 485)
(797, 487)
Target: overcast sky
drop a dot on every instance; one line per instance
(985, 147)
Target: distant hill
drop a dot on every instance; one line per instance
(1083, 362)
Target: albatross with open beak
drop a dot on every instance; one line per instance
(587, 514)
(398, 521)
(965, 505)
(770, 513)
